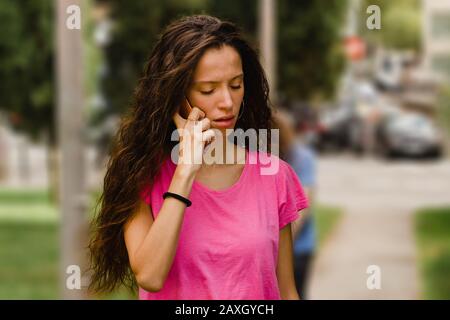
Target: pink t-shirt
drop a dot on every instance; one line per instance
(228, 245)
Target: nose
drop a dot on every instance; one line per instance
(226, 101)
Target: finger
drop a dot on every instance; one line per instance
(196, 114)
(205, 124)
(208, 135)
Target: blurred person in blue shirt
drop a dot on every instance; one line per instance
(295, 149)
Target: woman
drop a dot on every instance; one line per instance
(300, 156)
(223, 230)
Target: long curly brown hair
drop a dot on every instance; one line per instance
(144, 137)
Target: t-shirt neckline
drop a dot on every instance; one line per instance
(199, 185)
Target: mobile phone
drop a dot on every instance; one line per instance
(185, 109)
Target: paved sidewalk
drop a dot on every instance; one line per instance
(376, 238)
(378, 199)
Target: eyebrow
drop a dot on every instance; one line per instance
(209, 81)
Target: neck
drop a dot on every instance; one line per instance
(221, 153)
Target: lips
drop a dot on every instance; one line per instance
(224, 121)
(225, 118)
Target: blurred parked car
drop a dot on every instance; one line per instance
(409, 134)
(390, 67)
(335, 128)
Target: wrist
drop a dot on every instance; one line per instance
(177, 196)
(182, 181)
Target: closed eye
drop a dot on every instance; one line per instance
(212, 90)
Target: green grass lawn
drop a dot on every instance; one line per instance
(326, 219)
(29, 245)
(432, 226)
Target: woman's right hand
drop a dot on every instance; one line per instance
(194, 134)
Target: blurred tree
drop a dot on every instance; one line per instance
(26, 70)
(241, 12)
(308, 38)
(136, 27)
(26, 66)
(310, 56)
(400, 24)
(27, 94)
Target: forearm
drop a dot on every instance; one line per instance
(155, 256)
(293, 295)
(285, 266)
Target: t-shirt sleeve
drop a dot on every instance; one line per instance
(292, 197)
(145, 194)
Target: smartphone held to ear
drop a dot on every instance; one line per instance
(185, 109)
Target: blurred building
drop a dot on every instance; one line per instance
(23, 163)
(436, 37)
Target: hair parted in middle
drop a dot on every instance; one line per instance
(143, 140)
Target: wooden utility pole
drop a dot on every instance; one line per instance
(70, 126)
(268, 40)
(3, 151)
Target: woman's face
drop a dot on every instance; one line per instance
(218, 87)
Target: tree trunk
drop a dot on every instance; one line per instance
(3, 153)
(53, 172)
(70, 124)
(267, 40)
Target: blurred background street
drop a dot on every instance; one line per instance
(380, 200)
(369, 80)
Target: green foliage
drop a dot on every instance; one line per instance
(137, 25)
(310, 53)
(443, 107)
(30, 247)
(433, 236)
(28, 260)
(244, 13)
(26, 65)
(400, 24)
(326, 219)
(310, 57)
